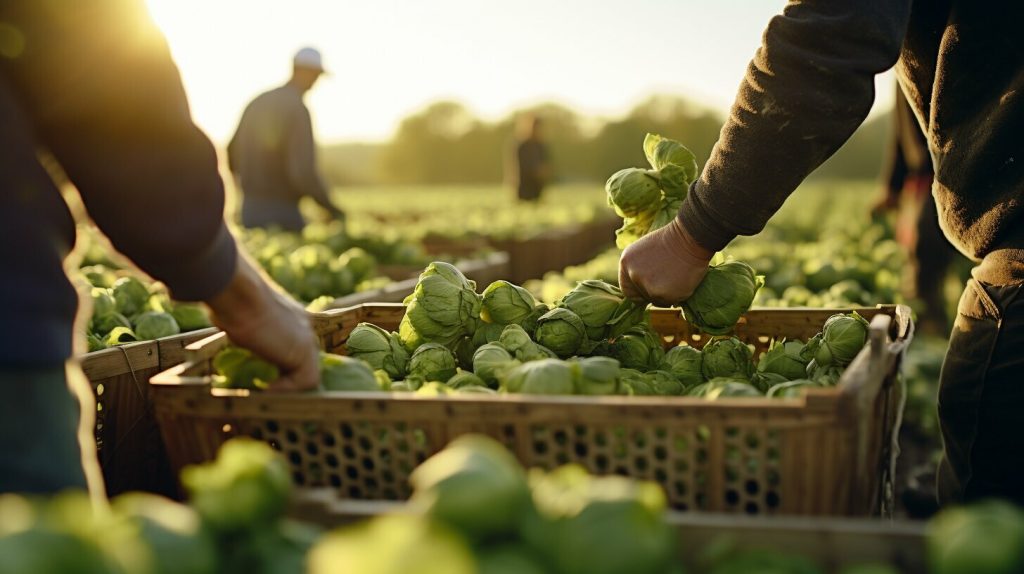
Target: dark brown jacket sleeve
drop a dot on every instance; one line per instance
(809, 86)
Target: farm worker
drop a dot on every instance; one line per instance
(908, 177)
(531, 168)
(93, 84)
(811, 83)
(273, 152)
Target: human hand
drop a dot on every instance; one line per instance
(260, 318)
(664, 266)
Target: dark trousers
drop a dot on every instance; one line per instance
(981, 397)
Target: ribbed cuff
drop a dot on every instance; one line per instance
(701, 225)
(201, 276)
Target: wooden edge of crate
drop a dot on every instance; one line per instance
(120, 360)
(172, 349)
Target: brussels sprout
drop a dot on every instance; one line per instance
(765, 381)
(562, 331)
(433, 362)
(103, 324)
(784, 358)
(633, 191)
(443, 308)
(847, 292)
(727, 357)
(635, 383)
(320, 304)
(826, 376)
(475, 390)
(596, 375)
(633, 228)
(575, 509)
(724, 387)
(515, 340)
(665, 214)
(120, 336)
(152, 325)
(544, 377)
(464, 350)
(639, 348)
(99, 276)
(725, 293)
(475, 486)
(492, 363)
(190, 316)
(605, 312)
(433, 389)
(764, 561)
(94, 342)
(510, 559)
(464, 379)
(379, 349)
(505, 303)
(171, 533)
(663, 383)
(486, 333)
(790, 389)
(360, 263)
(662, 152)
(240, 369)
(393, 544)
(130, 296)
(529, 324)
(984, 538)
(403, 386)
(339, 373)
(684, 362)
(247, 486)
(40, 546)
(842, 338)
(102, 302)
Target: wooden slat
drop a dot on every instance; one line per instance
(113, 362)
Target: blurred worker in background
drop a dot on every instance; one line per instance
(531, 170)
(908, 193)
(93, 84)
(273, 152)
(807, 89)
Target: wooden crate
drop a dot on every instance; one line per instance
(128, 442)
(829, 452)
(832, 543)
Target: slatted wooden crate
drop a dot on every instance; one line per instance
(830, 452)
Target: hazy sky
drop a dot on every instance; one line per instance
(392, 57)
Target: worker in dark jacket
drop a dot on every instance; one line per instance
(532, 168)
(908, 192)
(961, 65)
(273, 152)
(93, 84)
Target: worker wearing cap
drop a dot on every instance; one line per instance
(273, 152)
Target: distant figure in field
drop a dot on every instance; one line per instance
(273, 152)
(532, 166)
(908, 179)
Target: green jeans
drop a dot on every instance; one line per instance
(981, 397)
(40, 422)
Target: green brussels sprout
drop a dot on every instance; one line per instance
(339, 373)
(517, 342)
(475, 486)
(247, 486)
(239, 368)
(790, 389)
(486, 333)
(529, 324)
(153, 325)
(361, 264)
(596, 375)
(847, 292)
(662, 152)
(169, 535)
(393, 544)
(826, 376)
(562, 331)
(639, 348)
(443, 308)
(633, 191)
(433, 362)
(575, 509)
(605, 312)
(379, 349)
(725, 293)
(95, 342)
(665, 214)
(492, 363)
(464, 350)
(53, 537)
(764, 561)
(130, 296)
(103, 324)
(842, 338)
(190, 316)
(633, 228)
(984, 538)
(635, 383)
(765, 381)
(99, 276)
(510, 559)
(506, 304)
(433, 389)
(464, 379)
(320, 304)
(403, 386)
(727, 357)
(475, 390)
(724, 387)
(102, 301)
(784, 358)
(544, 377)
(684, 362)
(120, 336)
(663, 383)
